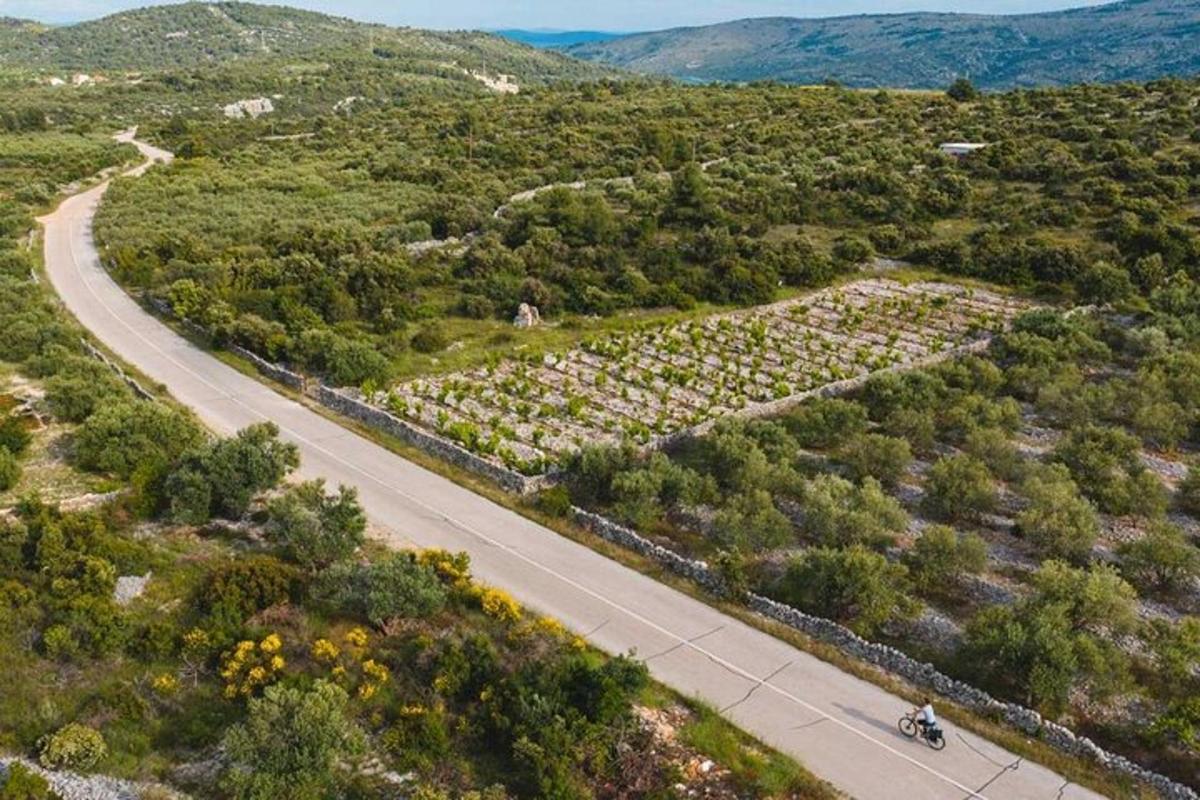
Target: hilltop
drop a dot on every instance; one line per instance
(194, 34)
(1130, 40)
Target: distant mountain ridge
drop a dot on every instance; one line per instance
(1127, 40)
(556, 39)
(194, 34)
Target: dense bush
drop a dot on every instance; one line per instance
(854, 586)
(222, 477)
(73, 746)
(293, 743)
(959, 487)
(22, 783)
(133, 434)
(10, 470)
(235, 590)
(315, 528)
(941, 556)
(390, 588)
(1057, 519)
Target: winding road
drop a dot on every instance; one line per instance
(841, 727)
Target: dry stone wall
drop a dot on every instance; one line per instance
(891, 660)
(349, 406)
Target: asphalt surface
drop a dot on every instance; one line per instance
(841, 727)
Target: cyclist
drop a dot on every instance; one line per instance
(925, 716)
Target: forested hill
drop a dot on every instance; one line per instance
(1130, 40)
(193, 34)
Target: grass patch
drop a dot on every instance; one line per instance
(765, 772)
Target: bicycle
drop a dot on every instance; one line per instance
(932, 734)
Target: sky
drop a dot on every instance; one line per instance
(606, 15)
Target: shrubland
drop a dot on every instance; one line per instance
(1039, 516)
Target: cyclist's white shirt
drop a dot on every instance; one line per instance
(927, 714)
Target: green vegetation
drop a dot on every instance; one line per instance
(237, 641)
(1042, 569)
(300, 249)
(195, 35)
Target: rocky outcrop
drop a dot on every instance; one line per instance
(73, 786)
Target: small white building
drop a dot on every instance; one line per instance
(960, 149)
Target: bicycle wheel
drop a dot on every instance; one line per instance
(908, 727)
(937, 744)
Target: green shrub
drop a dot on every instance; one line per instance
(22, 783)
(222, 477)
(555, 501)
(873, 455)
(396, 586)
(940, 556)
(10, 470)
(826, 422)
(839, 513)
(14, 434)
(237, 589)
(316, 529)
(291, 744)
(1188, 495)
(750, 522)
(1059, 521)
(959, 487)
(1106, 463)
(854, 586)
(80, 388)
(1163, 560)
(430, 339)
(73, 746)
(122, 437)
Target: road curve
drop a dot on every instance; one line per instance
(841, 727)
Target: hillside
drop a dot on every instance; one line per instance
(194, 34)
(1129, 40)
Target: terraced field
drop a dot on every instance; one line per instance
(655, 383)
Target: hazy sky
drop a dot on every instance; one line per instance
(610, 15)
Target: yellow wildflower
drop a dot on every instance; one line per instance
(366, 691)
(271, 644)
(498, 604)
(325, 651)
(277, 663)
(165, 684)
(551, 627)
(375, 670)
(196, 640)
(356, 637)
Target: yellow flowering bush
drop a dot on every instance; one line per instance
(325, 651)
(374, 676)
(357, 637)
(499, 604)
(165, 684)
(252, 665)
(551, 627)
(453, 568)
(196, 642)
(350, 665)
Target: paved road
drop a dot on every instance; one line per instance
(841, 727)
